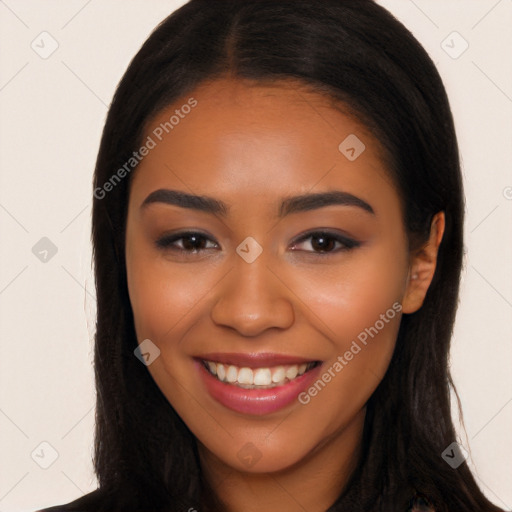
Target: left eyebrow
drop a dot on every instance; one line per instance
(289, 205)
(308, 202)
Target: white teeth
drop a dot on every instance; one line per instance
(278, 374)
(245, 376)
(262, 377)
(258, 377)
(291, 372)
(232, 374)
(221, 372)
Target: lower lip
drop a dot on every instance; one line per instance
(256, 401)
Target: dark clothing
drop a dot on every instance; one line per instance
(80, 505)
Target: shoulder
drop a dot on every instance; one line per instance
(86, 503)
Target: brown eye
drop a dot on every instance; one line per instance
(323, 242)
(191, 242)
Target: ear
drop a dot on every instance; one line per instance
(422, 266)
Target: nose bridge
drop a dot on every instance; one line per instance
(252, 299)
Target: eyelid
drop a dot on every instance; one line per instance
(347, 242)
(164, 242)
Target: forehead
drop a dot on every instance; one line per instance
(244, 139)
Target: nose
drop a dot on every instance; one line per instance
(253, 299)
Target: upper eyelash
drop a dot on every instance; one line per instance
(166, 241)
(347, 243)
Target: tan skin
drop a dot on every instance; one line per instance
(251, 146)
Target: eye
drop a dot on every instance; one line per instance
(191, 242)
(324, 242)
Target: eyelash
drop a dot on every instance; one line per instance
(166, 242)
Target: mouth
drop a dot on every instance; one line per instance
(257, 378)
(255, 384)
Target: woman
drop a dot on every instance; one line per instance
(277, 231)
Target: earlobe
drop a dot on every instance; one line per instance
(422, 266)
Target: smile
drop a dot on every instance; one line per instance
(257, 378)
(257, 383)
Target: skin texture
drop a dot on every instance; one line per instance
(251, 146)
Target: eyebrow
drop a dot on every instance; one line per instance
(289, 205)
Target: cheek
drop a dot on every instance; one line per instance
(163, 294)
(350, 297)
(348, 379)
(360, 316)
(358, 307)
(165, 298)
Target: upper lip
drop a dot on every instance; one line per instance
(254, 360)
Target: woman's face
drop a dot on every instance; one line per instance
(291, 297)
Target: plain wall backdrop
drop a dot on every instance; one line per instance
(60, 63)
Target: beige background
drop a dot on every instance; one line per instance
(51, 116)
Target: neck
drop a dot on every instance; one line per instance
(313, 483)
